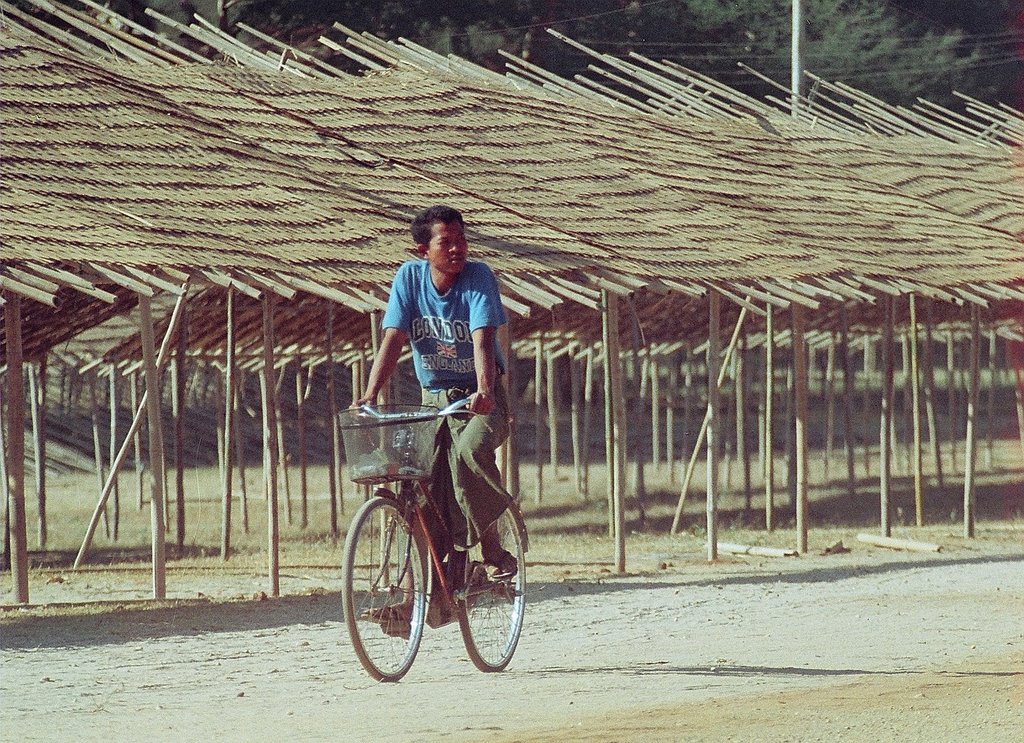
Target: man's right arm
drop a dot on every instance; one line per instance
(383, 366)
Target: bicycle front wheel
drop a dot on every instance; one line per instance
(383, 589)
(491, 611)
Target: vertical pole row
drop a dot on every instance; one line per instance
(713, 361)
(156, 449)
(769, 432)
(971, 435)
(229, 411)
(800, 425)
(915, 386)
(270, 445)
(885, 419)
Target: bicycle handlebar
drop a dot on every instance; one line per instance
(454, 407)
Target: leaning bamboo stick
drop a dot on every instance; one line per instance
(720, 376)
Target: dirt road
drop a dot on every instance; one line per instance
(901, 647)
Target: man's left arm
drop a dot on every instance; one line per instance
(482, 401)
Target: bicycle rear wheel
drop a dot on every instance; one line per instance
(491, 611)
(383, 589)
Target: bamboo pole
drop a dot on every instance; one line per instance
(830, 407)
(951, 398)
(588, 409)
(688, 398)
(178, 412)
(990, 413)
(885, 419)
(97, 450)
(929, 391)
(552, 400)
(334, 493)
(869, 375)
(1019, 395)
(113, 398)
(282, 449)
(302, 391)
(634, 443)
(511, 445)
(655, 377)
(848, 382)
(915, 386)
(615, 395)
(800, 425)
(671, 395)
(270, 445)
(722, 367)
(575, 391)
(5, 484)
(714, 346)
(156, 453)
(16, 446)
(37, 396)
(227, 483)
(538, 417)
(769, 429)
(906, 404)
(741, 423)
(970, 437)
(136, 439)
(240, 450)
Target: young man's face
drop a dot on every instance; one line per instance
(447, 250)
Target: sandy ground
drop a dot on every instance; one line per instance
(867, 645)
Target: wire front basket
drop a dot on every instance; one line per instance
(389, 443)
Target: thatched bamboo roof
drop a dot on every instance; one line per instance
(121, 173)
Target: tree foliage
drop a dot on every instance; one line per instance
(895, 49)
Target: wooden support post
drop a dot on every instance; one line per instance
(156, 448)
(869, 377)
(990, 413)
(538, 417)
(671, 396)
(588, 415)
(270, 445)
(37, 396)
(741, 423)
(5, 483)
(929, 391)
(241, 450)
(688, 398)
(970, 437)
(97, 450)
(113, 399)
(791, 488)
(951, 410)
(769, 428)
(136, 439)
(1019, 394)
(282, 449)
(227, 483)
(634, 443)
(885, 419)
(655, 376)
(335, 496)
(905, 398)
(178, 410)
(575, 392)
(800, 425)
(848, 382)
(16, 446)
(302, 390)
(915, 386)
(552, 413)
(828, 383)
(615, 416)
(714, 348)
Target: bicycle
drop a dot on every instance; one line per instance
(389, 548)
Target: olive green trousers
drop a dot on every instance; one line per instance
(465, 482)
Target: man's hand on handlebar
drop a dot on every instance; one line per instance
(481, 402)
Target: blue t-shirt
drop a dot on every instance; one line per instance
(440, 326)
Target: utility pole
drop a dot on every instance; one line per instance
(796, 69)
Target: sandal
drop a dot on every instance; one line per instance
(394, 620)
(501, 566)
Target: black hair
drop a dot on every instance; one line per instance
(422, 225)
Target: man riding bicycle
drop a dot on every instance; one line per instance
(450, 308)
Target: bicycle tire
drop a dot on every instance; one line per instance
(383, 567)
(491, 612)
